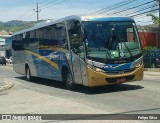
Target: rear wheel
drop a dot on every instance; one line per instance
(67, 78)
(28, 74)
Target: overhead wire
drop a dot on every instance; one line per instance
(111, 7)
(145, 12)
(46, 4)
(140, 5)
(57, 3)
(129, 14)
(25, 13)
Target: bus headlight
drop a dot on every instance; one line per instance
(137, 63)
(95, 68)
(99, 70)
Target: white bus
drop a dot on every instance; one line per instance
(86, 50)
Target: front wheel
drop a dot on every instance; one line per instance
(67, 78)
(28, 74)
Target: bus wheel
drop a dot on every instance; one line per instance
(67, 78)
(28, 74)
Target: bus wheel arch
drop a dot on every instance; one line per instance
(28, 72)
(67, 78)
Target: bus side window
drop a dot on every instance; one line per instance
(74, 30)
(61, 36)
(17, 42)
(75, 37)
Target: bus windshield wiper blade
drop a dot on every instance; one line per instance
(132, 57)
(107, 55)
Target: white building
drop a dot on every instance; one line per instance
(3, 36)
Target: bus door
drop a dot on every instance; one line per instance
(76, 48)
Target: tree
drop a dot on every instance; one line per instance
(154, 18)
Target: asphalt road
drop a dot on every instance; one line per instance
(46, 96)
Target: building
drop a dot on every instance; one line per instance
(149, 35)
(3, 47)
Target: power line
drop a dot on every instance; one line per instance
(54, 4)
(133, 7)
(25, 13)
(111, 7)
(29, 16)
(145, 12)
(119, 6)
(141, 10)
(48, 3)
(43, 1)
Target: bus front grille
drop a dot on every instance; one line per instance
(119, 72)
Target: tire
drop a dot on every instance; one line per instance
(153, 65)
(28, 74)
(67, 78)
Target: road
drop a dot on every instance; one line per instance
(50, 97)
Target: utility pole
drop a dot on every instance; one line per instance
(37, 11)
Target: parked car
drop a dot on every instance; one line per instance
(9, 61)
(2, 60)
(151, 59)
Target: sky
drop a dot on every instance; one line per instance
(51, 9)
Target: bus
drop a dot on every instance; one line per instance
(85, 50)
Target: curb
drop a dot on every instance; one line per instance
(6, 84)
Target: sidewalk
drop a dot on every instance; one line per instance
(152, 69)
(5, 84)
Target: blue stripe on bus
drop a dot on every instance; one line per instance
(117, 67)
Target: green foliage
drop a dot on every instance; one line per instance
(17, 28)
(147, 48)
(154, 18)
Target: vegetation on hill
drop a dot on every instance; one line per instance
(14, 26)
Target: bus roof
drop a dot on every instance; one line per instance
(78, 17)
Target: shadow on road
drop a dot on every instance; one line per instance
(83, 89)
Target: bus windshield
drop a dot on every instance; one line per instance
(111, 40)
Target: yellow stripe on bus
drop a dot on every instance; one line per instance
(118, 66)
(44, 59)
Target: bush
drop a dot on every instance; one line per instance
(147, 48)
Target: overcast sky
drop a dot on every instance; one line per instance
(50, 9)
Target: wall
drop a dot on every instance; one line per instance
(149, 36)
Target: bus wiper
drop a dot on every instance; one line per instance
(109, 46)
(107, 55)
(132, 57)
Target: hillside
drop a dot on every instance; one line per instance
(16, 25)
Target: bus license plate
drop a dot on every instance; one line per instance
(121, 80)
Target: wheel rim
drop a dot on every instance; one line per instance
(69, 80)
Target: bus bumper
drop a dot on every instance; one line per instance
(102, 79)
